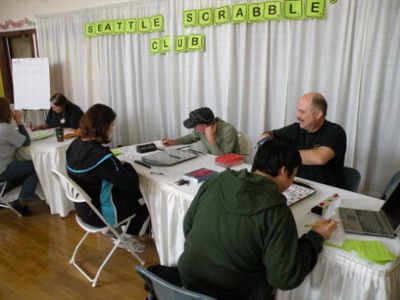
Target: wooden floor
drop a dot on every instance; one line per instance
(35, 253)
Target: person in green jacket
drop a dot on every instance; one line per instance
(241, 237)
(217, 136)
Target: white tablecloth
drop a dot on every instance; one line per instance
(337, 275)
(48, 154)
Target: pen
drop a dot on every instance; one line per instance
(174, 156)
(156, 173)
(142, 163)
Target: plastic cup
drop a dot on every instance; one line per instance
(60, 134)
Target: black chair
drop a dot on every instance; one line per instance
(163, 290)
(389, 188)
(352, 178)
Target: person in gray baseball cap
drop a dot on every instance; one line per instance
(217, 136)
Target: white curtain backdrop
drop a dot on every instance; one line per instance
(250, 75)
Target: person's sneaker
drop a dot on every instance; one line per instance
(21, 207)
(108, 233)
(134, 244)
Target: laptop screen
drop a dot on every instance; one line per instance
(391, 208)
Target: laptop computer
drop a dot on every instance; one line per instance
(168, 157)
(385, 222)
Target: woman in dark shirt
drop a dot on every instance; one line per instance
(63, 113)
(113, 185)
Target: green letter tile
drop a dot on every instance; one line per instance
(256, 12)
(239, 13)
(157, 23)
(315, 9)
(89, 29)
(98, 28)
(273, 11)
(144, 25)
(190, 18)
(119, 26)
(195, 42)
(205, 17)
(294, 10)
(180, 43)
(166, 44)
(155, 46)
(108, 27)
(222, 15)
(130, 25)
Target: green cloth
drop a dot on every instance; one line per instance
(226, 139)
(239, 230)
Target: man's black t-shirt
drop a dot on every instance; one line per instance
(330, 135)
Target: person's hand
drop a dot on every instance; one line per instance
(210, 132)
(33, 128)
(326, 230)
(167, 142)
(264, 135)
(17, 116)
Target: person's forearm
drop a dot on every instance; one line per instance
(311, 157)
(40, 126)
(22, 130)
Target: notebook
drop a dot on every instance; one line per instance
(168, 157)
(384, 222)
(40, 134)
(199, 175)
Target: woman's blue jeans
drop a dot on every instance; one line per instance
(21, 173)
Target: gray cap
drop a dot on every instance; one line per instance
(202, 115)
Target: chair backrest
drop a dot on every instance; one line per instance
(72, 190)
(352, 178)
(245, 145)
(390, 186)
(165, 290)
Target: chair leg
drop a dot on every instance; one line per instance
(7, 205)
(4, 203)
(93, 280)
(120, 239)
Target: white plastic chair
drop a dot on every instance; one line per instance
(77, 195)
(245, 144)
(3, 202)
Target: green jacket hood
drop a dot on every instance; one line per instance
(262, 191)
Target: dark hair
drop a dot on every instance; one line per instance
(319, 103)
(96, 121)
(5, 111)
(59, 99)
(275, 154)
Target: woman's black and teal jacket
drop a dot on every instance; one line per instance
(102, 176)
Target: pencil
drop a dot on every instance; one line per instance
(318, 224)
(315, 225)
(142, 163)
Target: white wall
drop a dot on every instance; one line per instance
(17, 10)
